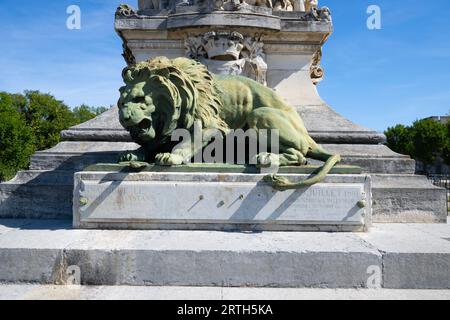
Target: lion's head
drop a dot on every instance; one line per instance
(161, 95)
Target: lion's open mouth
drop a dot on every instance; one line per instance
(145, 124)
(144, 130)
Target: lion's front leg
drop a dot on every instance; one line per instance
(169, 159)
(185, 151)
(181, 154)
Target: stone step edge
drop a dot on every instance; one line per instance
(76, 292)
(106, 267)
(413, 258)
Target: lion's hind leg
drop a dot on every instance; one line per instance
(290, 142)
(292, 157)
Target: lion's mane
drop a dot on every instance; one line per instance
(188, 87)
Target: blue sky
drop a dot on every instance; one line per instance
(375, 78)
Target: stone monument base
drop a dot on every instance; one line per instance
(212, 197)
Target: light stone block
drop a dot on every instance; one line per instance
(396, 256)
(155, 200)
(202, 258)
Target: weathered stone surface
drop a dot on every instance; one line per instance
(408, 198)
(327, 126)
(47, 196)
(373, 158)
(105, 127)
(77, 155)
(414, 256)
(247, 20)
(55, 292)
(52, 292)
(195, 258)
(407, 256)
(221, 201)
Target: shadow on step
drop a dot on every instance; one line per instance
(46, 190)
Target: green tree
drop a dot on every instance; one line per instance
(399, 139)
(85, 113)
(100, 110)
(16, 138)
(46, 116)
(446, 150)
(33, 121)
(430, 139)
(424, 141)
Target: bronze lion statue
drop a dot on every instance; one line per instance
(161, 95)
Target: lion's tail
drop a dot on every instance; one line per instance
(281, 183)
(329, 164)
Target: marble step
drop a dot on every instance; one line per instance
(392, 256)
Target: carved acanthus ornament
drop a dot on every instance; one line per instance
(317, 72)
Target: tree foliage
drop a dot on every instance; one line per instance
(429, 139)
(85, 113)
(33, 121)
(46, 116)
(16, 139)
(425, 140)
(399, 139)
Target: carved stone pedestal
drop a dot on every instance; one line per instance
(202, 197)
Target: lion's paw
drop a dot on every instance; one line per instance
(266, 159)
(168, 159)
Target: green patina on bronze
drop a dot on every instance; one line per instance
(161, 95)
(214, 168)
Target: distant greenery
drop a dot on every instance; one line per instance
(33, 121)
(425, 140)
(85, 113)
(17, 142)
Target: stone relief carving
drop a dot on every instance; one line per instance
(309, 6)
(229, 53)
(283, 5)
(125, 11)
(128, 55)
(223, 46)
(279, 5)
(317, 72)
(314, 13)
(234, 5)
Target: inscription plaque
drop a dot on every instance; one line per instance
(218, 201)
